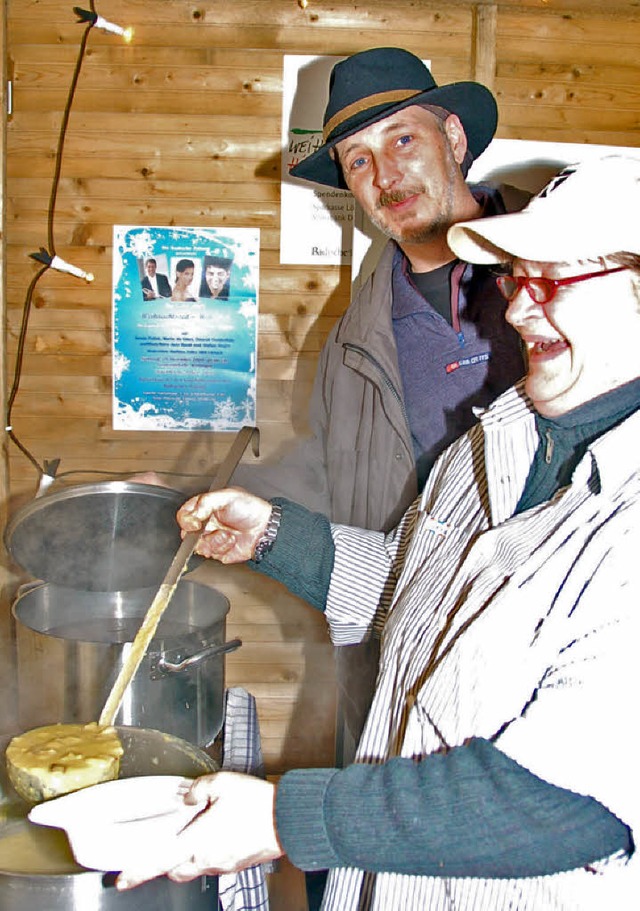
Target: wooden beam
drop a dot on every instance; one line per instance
(485, 22)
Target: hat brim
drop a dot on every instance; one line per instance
(472, 102)
(536, 236)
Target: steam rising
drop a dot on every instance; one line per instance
(99, 537)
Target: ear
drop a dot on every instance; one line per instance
(457, 137)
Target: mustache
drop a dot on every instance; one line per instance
(393, 197)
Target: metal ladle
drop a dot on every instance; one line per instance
(170, 582)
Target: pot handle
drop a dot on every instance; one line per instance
(27, 587)
(162, 666)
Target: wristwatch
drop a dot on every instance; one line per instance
(267, 540)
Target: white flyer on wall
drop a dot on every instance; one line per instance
(316, 222)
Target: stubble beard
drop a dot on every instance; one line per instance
(434, 228)
(419, 234)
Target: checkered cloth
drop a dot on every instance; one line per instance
(246, 890)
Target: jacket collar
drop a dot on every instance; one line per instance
(511, 440)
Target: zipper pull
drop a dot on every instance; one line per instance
(548, 455)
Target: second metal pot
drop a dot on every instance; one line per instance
(37, 870)
(179, 687)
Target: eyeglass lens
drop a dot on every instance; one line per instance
(541, 290)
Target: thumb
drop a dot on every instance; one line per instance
(204, 790)
(168, 853)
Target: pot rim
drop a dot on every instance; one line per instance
(210, 609)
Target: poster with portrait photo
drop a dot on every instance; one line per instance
(185, 320)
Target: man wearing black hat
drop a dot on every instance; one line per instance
(425, 341)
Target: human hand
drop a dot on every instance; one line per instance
(148, 477)
(232, 522)
(235, 830)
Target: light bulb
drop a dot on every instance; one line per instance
(105, 25)
(61, 266)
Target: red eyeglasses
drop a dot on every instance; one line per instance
(542, 290)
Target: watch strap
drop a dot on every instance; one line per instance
(268, 538)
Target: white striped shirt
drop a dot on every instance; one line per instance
(524, 627)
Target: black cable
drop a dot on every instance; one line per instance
(26, 310)
(18, 368)
(63, 132)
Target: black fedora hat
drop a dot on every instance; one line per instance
(373, 84)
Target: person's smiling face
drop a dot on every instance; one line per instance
(404, 171)
(185, 278)
(584, 342)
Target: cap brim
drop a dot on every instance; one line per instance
(534, 236)
(472, 102)
(484, 240)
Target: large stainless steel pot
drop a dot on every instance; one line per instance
(45, 877)
(179, 686)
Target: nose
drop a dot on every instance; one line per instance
(386, 172)
(522, 308)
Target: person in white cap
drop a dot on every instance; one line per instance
(498, 765)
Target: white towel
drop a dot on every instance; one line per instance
(246, 890)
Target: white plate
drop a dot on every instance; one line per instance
(110, 825)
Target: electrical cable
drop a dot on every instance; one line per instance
(42, 256)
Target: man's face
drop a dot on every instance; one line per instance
(404, 171)
(216, 277)
(582, 343)
(151, 268)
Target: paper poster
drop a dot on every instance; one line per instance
(316, 222)
(529, 164)
(185, 318)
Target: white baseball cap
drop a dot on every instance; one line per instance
(588, 210)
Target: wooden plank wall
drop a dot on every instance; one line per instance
(7, 638)
(183, 127)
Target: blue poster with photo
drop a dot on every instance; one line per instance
(185, 321)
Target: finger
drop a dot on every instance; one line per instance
(135, 876)
(186, 517)
(168, 856)
(185, 872)
(203, 790)
(215, 544)
(204, 505)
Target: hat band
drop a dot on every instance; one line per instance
(364, 104)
